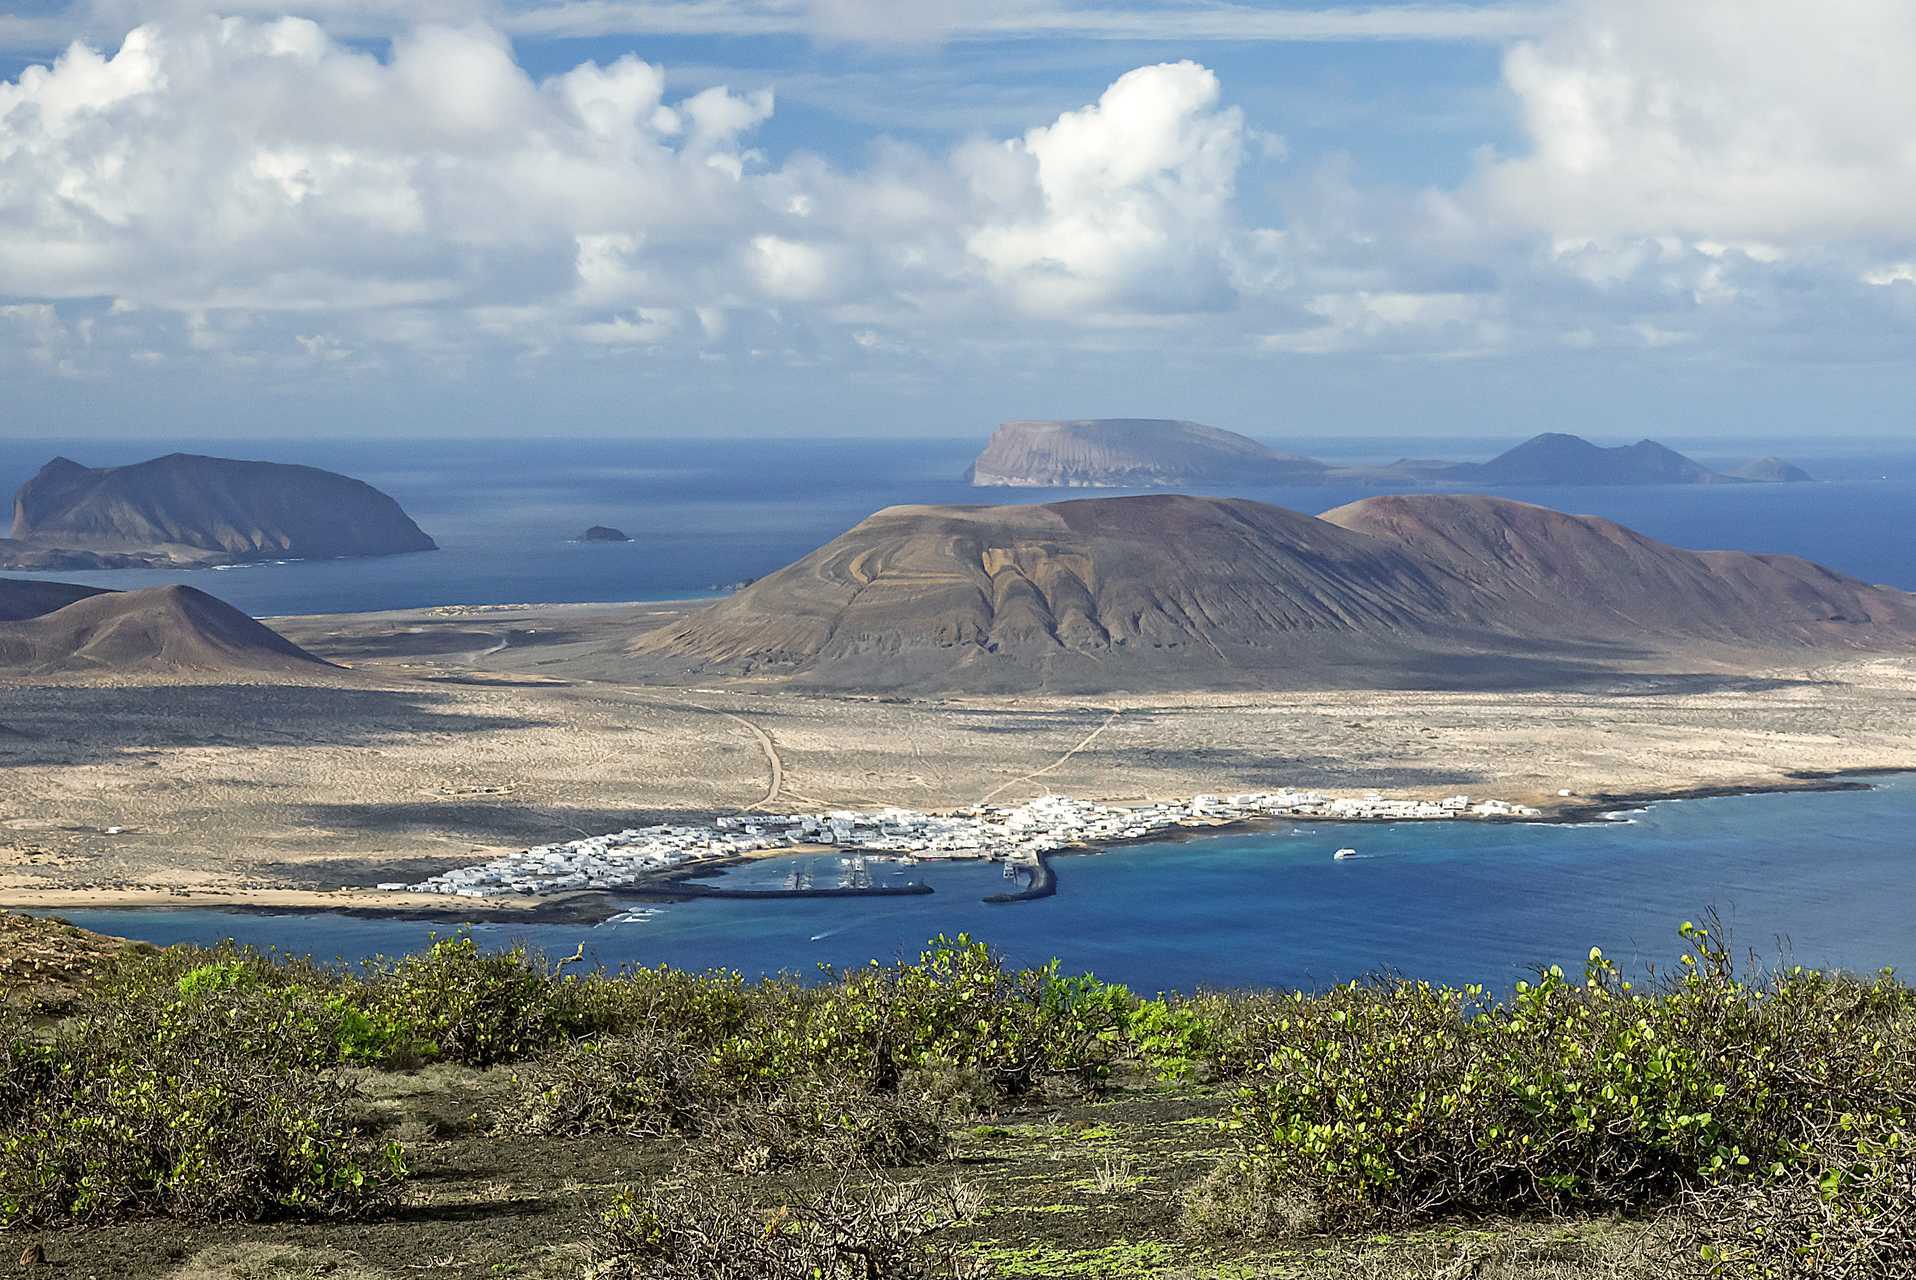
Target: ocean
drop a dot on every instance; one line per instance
(704, 514)
(1832, 873)
(1821, 878)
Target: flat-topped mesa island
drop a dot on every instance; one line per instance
(1020, 833)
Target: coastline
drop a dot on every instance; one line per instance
(364, 902)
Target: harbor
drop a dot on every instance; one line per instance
(1018, 835)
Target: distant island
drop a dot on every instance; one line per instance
(1130, 453)
(1174, 592)
(185, 510)
(1558, 459)
(602, 533)
(57, 628)
(1145, 453)
(1771, 471)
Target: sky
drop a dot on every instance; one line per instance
(921, 217)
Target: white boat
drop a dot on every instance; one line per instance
(1342, 854)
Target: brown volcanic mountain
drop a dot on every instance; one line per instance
(162, 631)
(1180, 592)
(1130, 453)
(1551, 573)
(189, 509)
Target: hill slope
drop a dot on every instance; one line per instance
(1129, 453)
(161, 631)
(184, 508)
(1557, 576)
(1180, 592)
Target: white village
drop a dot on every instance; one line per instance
(1013, 835)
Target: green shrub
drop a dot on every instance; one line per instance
(477, 1007)
(208, 1106)
(1400, 1099)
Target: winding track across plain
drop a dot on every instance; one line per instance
(774, 765)
(1059, 763)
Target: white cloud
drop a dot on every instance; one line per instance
(229, 171)
(227, 163)
(1724, 120)
(1128, 201)
(791, 269)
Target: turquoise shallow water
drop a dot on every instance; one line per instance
(1827, 878)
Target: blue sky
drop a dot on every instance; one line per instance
(752, 217)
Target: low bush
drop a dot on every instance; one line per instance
(1242, 1202)
(642, 1085)
(477, 1007)
(205, 1106)
(1399, 1099)
(836, 1124)
(708, 1230)
(1849, 1213)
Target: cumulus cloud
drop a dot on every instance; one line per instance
(1128, 201)
(225, 170)
(227, 163)
(1759, 121)
(1716, 179)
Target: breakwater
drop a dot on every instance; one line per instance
(1044, 883)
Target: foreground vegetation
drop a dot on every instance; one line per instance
(954, 1116)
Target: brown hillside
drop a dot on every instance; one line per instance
(164, 630)
(1182, 592)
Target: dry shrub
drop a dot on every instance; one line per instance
(1239, 1202)
(639, 1085)
(832, 1123)
(1856, 1221)
(709, 1230)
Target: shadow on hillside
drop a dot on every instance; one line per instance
(423, 640)
(82, 723)
(1547, 673)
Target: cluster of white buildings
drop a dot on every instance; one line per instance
(1011, 834)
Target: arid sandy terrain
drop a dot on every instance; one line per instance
(459, 733)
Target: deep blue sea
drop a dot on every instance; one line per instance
(1821, 878)
(1834, 873)
(706, 513)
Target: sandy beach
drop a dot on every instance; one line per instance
(462, 734)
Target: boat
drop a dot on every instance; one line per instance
(1342, 854)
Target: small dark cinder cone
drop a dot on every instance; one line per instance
(34, 1255)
